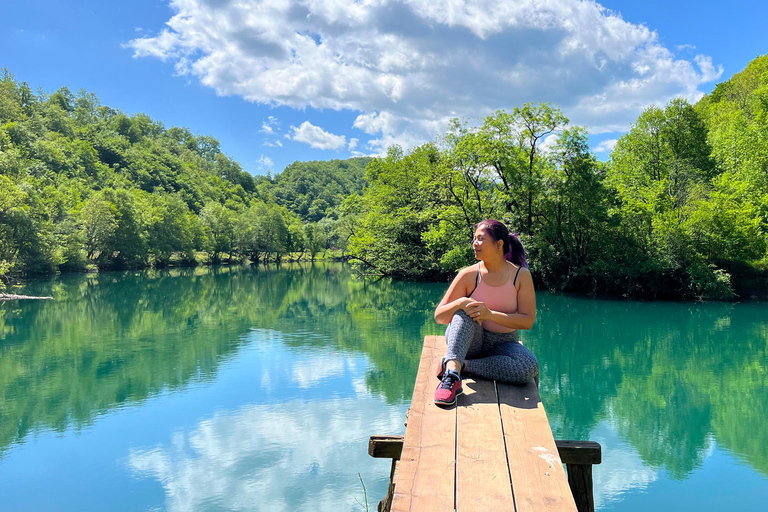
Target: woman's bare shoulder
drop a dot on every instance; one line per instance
(523, 275)
(466, 276)
(522, 270)
(470, 270)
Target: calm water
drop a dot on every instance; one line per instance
(257, 389)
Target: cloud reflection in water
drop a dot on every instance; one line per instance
(621, 471)
(299, 455)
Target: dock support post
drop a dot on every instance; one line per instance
(578, 457)
(388, 447)
(580, 481)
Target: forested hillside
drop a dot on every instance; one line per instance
(84, 184)
(679, 211)
(314, 190)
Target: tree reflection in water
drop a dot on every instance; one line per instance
(671, 378)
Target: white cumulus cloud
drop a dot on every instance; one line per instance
(317, 137)
(606, 146)
(269, 125)
(405, 68)
(265, 163)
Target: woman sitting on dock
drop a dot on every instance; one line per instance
(484, 307)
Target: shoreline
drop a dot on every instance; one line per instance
(745, 295)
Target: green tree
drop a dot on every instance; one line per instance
(661, 171)
(315, 239)
(568, 251)
(98, 218)
(218, 223)
(398, 206)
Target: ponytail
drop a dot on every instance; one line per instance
(516, 252)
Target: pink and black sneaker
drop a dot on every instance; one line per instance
(448, 389)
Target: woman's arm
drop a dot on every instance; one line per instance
(526, 307)
(456, 296)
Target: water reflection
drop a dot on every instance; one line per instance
(281, 358)
(115, 339)
(622, 470)
(292, 456)
(670, 377)
(297, 450)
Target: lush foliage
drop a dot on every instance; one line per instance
(680, 210)
(313, 190)
(84, 184)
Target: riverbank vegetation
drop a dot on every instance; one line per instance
(680, 210)
(85, 185)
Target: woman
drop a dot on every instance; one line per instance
(485, 306)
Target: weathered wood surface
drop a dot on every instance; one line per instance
(571, 452)
(493, 451)
(425, 479)
(579, 452)
(580, 481)
(482, 473)
(385, 447)
(578, 456)
(538, 478)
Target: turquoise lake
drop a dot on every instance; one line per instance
(256, 388)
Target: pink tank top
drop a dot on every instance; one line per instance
(497, 298)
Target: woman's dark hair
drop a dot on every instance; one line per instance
(513, 248)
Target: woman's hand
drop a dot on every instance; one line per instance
(477, 311)
(464, 303)
(456, 297)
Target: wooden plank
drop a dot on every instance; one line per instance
(571, 452)
(482, 473)
(429, 450)
(385, 447)
(538, 478)
(579, 452)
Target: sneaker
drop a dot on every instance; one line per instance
(448, 389)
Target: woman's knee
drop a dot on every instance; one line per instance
(461, 322)
(461, 316)
(523, 366)
(532, 366)
(462, 335)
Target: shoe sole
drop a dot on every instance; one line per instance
(455, 397)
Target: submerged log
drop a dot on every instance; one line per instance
(13, 296)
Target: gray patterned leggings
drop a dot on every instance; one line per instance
(492, 355)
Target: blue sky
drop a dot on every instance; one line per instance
(281, 81)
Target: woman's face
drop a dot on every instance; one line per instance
(483, 243)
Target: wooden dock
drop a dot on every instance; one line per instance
(493, 451)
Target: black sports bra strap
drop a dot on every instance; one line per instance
(477, 278)
(515, 281)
